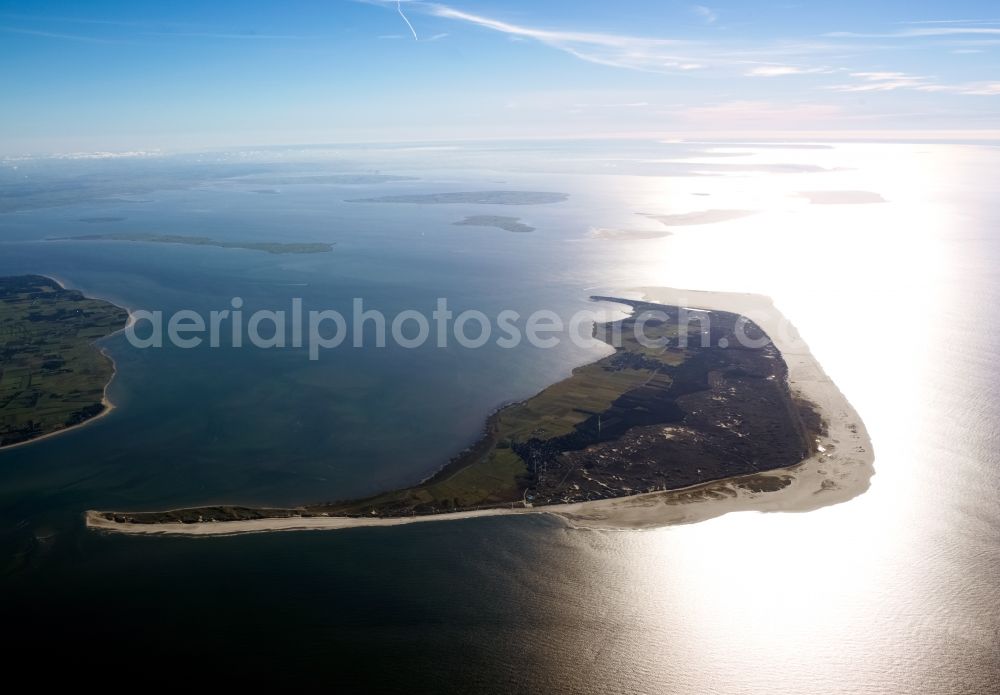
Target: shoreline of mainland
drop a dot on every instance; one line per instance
(106, 402)
(840, 469)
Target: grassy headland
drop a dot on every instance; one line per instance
(52, 377)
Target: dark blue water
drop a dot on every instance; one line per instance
(272, 427)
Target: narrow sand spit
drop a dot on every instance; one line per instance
(840, 470)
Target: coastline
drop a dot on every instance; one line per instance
(106, 401)
(840, 470)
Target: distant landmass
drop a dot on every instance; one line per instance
(52, 377)
(699, 217)
(471, 197)
(265, 246)
(628, 234)
(329, 179)
(102, 220)
(510, 224)
(842, 197)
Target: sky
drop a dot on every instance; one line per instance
(120, 76)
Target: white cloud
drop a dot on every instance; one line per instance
(919, 33)
(616, 50)
(882, 82)
(55, 35)
(991, 89)
(772, 58)
(880, 76)
(706, 13)
(406, 20)
(782, 70)
(891, 81)
(626, 105)
(986, 89)
(954, 21)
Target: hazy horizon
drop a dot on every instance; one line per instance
(186, 77)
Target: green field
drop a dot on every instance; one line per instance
(52, 376)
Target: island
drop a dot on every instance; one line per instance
(102, 220)
(646, 436)
(612, 234)
(699, 217)
(471, 198)
(508, 224)
(324, 179)
(52, 376)
(265, 246)
(842, 197)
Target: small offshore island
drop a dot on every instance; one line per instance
(636, 439)
(265, 246)
(52, 377)
(508, 224)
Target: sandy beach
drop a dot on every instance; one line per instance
(840, 470)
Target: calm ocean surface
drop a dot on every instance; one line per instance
(896, 591)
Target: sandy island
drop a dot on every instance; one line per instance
(612, 234)
(840, 470)
(842, 197)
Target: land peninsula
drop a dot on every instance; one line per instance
(265, 246)
(52, 376)
(644, 437)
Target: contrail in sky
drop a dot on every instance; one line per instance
(399, 8)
